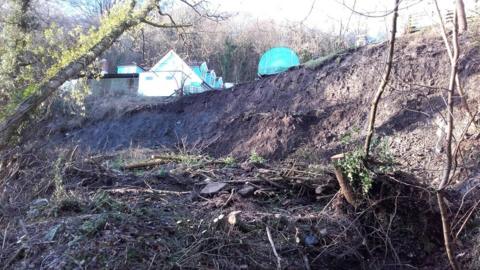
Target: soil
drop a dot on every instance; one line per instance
(303, 113)
(101, 215)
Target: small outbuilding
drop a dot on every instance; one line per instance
(277, 60)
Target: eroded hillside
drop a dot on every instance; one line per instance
(236, 179)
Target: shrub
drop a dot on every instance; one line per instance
(256, 158)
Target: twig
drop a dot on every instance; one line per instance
(229, 198)
(271, 182)
(5, 236)
(279, 265)
(151, 262)
(461, 205)
(17, 254)
(466, 219)
(307, 263)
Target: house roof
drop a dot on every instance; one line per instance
(171, 62)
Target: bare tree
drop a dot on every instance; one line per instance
(383, 84)
(94, 8)
(454, 56)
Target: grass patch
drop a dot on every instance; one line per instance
(337, 56)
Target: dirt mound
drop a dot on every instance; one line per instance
(304, 112)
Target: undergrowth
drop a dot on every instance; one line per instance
(361, 173)
(256, 158)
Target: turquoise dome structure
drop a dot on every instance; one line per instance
(277, 60)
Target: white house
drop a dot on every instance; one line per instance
(171, 75)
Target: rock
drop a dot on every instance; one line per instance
(212, 188)
(246, 191)
(50, 236)
(39, 203)
(233, 217)
(311, 240)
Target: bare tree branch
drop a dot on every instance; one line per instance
(198, 6)
(460, 89)
(158, 25)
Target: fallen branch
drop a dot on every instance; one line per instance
(147, 190)
(279, 264)
(149, 163)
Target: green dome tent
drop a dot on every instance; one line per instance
(277, 60)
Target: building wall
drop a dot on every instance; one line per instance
(114, 86)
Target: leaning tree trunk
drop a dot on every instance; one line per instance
(383, 84)
(48, 87)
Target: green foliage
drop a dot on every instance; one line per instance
(382, 153)
(116, 163)
(102, 202)
(52, 57)
(71, 100)
(347, 138)
(228, 58)
(315, 63)
(354, 167)
(230, 161)
(94, 225)
(256, 158)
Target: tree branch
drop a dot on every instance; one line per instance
(47, 87)
(158, 25)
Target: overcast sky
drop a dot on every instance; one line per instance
(328, 15)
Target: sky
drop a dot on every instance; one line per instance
(329, 15)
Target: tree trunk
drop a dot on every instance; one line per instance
(47, 88)
(383, 84)
(345, 188)
(461, 16)
(449, 159)
(461, 92)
